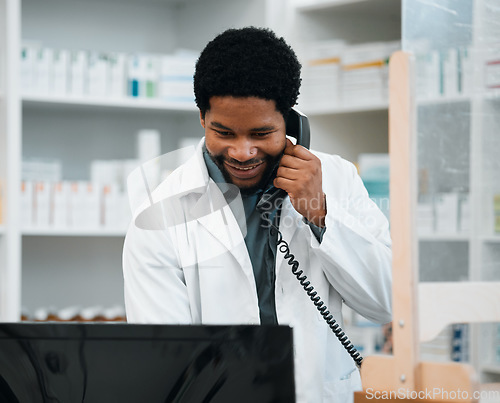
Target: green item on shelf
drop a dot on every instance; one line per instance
(496, 203)
(496, 209)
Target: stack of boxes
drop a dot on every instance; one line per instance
(339, 75)
(321, 75)
(80, 205)
(113, 75)
(444, 213)
(365, 73)
(444, 73)
(101, 203)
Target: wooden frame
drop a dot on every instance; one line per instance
(420, 311)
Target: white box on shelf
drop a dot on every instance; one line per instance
(429, 75)
(124, 213)
(42, 204)
(321, 73)
(110, 217)
(492, 73)
(78, 73)
(365, 72)
(97, 74)
(60, 202)
(450, 72)
(435, 74)
(464, 213)
(90, 207)
(35, 169)
(148, 144)
(27, 204)
(106, 171)
(112, 172)
(465, 70)
(422, 86)
(59, 75)
(116, 214)
(75, 204)
(117, 80)
(44, 65)
(321, 86)
(446, 205)
(425, 218)
(127, 166)
(28, 67)
(176, 78)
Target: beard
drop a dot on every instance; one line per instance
(268, 176)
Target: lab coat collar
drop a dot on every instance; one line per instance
(195, 177)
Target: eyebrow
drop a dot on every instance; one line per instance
(256, 129)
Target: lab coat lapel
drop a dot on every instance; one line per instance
(222, 225)
(211, 210)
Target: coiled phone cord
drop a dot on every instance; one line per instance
(315, 298)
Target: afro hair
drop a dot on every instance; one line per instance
(248, 62)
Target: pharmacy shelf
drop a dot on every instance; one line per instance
(493, 95)
(124, 103)
(491, 238)
(348, 6)
(443, 237)
(443, 100)
(77, 232)
(492, 368)
(378, 106)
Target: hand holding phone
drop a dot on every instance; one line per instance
(299, 174)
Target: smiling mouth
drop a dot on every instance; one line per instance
(245, 172)
(245, 168)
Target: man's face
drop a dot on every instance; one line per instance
(245, 136)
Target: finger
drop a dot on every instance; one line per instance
(298, 151)
(289, 147)
(290, 161)
(288, 173)
(283, 183)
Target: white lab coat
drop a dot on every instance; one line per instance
(201, 273)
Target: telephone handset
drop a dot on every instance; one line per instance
(297, 125)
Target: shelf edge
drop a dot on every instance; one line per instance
(73, 232)
(328, 4)
(346, 109)
(125, 103)
(444, 237)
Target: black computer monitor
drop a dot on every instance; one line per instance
(74, 362)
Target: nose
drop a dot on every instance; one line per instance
(242, 150)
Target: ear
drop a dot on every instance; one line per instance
(202, 120)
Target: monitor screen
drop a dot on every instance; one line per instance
(97, 362)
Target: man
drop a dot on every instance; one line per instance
(221, 265)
